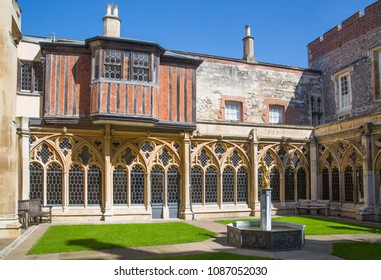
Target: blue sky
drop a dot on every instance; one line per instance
(282, 29)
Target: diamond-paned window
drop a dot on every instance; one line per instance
(165, 157)
(137, 185)
(31, 76)
(112, 64)
(128, 157)
(203, 158)
(85, 155)
(94, 186)
(119, 187)
(219, 149)
(235, 159)
(301, 180)
(211, 185)
(157, 185)
(335, 185)
(76, 185)
(348, 184)
(54, 185)
(268, 159)
(228, 185)
(242, 180)
(275, 184)
(36, 181)
(65, 144)
(173, 184)
(45, 154)
(196, 184)
(325, 183)
(146, 147)
(289, 184)
(140, 67)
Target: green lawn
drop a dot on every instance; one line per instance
(357, 250)
(213, 256)
(321, 226)
(69, 238)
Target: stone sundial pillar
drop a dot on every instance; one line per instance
(265, 222)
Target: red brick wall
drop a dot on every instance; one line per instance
(351, 28)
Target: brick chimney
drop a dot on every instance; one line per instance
(248, 46)
(111, 21)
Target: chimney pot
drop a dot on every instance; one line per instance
(108, 9)
(115, 11)
(247, 30)
(248, 46)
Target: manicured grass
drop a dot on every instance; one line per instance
(69, 238)
(322, 226)
(357, 251)
(213, 256)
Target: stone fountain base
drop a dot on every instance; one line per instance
(282, 236)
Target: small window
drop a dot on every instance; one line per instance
(345, 91)
(233, 111)
(122, 65)
(276, 114)
(30, 76)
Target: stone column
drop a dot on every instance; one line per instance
(186, 212)
(314, 167)
(368, 173)
(10, 24)
(24, 156)
(253, 187)
(107, 181)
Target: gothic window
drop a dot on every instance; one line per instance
(301, 184)
(173, 184)
(228, 185)
(360, 184)
(94, 186)
(211, 185)
(36, 175)
(54, 185)
(275, 184)
(335, 185)
(196, 184)
(348, 184)
(289, 185)
(260, 176)
(76, 185)
(242, 185)
(137, 185)
(325, 183)
(119, 186)
(157, 185)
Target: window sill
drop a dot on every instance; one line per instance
(123, 82)
(29, 93)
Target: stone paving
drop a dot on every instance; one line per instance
(316, 247)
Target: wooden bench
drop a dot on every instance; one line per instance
(32, 211)
(308, 204)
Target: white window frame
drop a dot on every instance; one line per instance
(233, 111)
(345, 103)
(276, 114)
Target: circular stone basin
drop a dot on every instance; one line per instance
(283, 236)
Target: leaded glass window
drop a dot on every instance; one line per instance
(275, 184)
(325, 183)
(112, 64)
(211, 185)
(140, 67)
(348, 184)
(360, 184)
(137, 185)
(36, 180)
(173, 184)
(242, 185)
(119, 177)
(157, 185)
(54, 185)
(45, 154)
(31, 76)
(289, 184)
(228, 185)
(76, 185)
(196, 184)
(260, 177)
(335, 185)
(94, 186)
(301, 184)
(203, 158)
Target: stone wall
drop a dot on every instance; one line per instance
(257, 86)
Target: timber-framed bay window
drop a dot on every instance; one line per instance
(125, 65)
